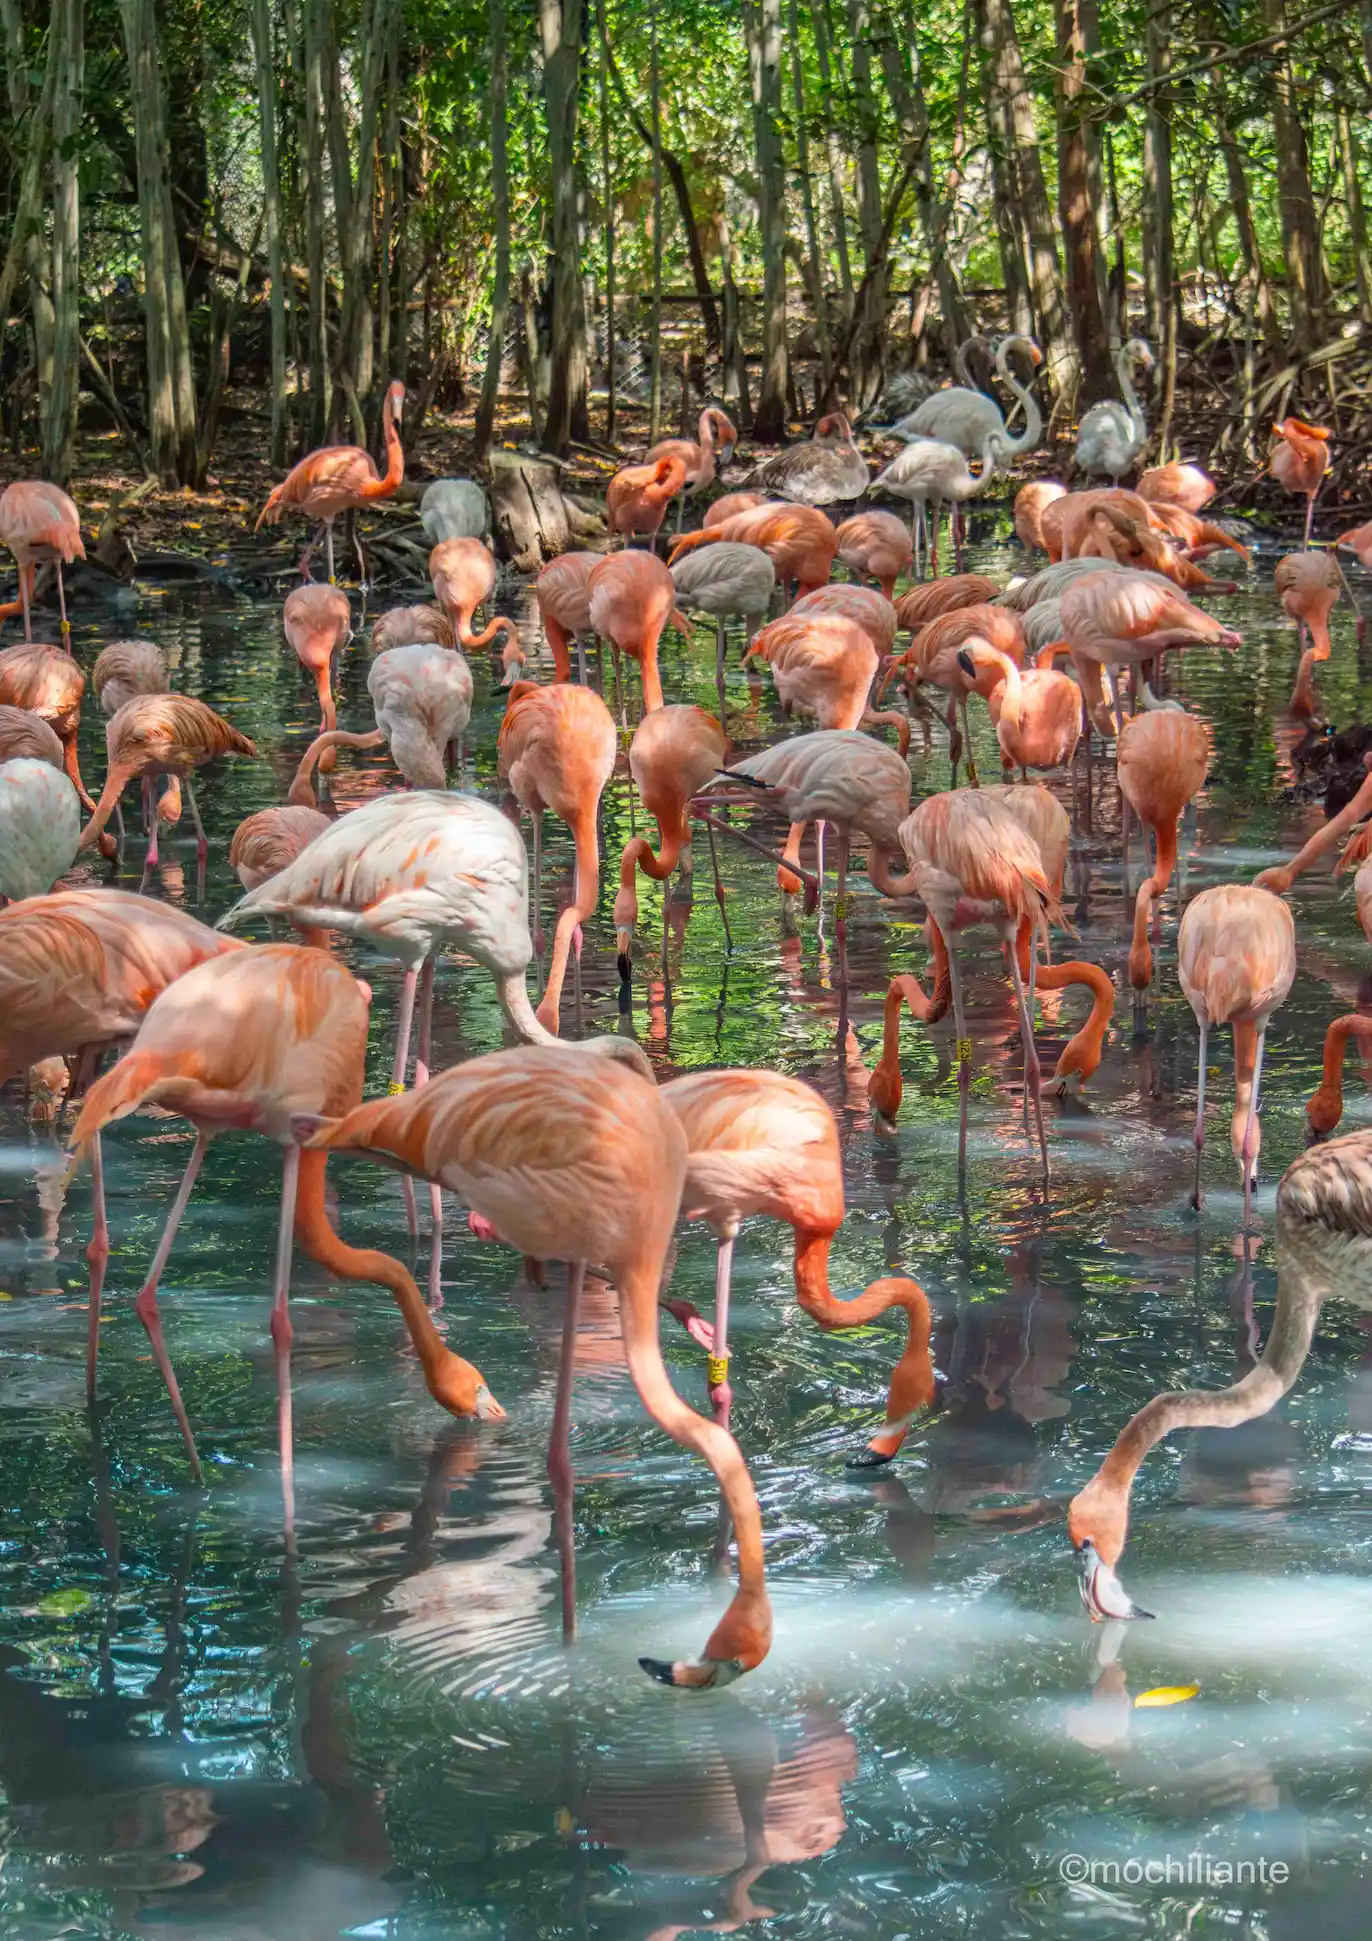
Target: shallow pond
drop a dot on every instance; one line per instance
(386, 1736)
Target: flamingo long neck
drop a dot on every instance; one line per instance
(993, 442)
(1288, 1344)
(879, 874)
(912, 1383)
(890, 718)
(1012, 699)
(1325, 1108)
(1320, 843)
(584, 898)
(1033, 417)
(389, 483)
(1082, 1052)
(1138, 423)
(885, 1088)
(500, 624)
(301, 792)
(120, 773)
(319, 1240)
(514, 1002)
(638, 854)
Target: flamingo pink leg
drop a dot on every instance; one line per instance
(398, 1068)
(282, 1335)
(560, 1448)
(721, 1394)
(421, 1077)
(145, 1307)
(98, 1255)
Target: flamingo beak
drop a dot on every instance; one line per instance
(1102, 1593)
(1035, 355)
(487, 1408)
(694, 1674)
(967, 664)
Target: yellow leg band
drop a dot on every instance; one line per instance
(718, 1370)
(963, 1048)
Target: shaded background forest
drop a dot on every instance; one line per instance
(257, 212)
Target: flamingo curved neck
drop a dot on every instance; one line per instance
(1033, 417)
(1138, 424)
(389, 482)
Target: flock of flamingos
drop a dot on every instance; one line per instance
(570, 1151)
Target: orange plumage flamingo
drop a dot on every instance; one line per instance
(798, 539)
(1236, 960)
(78, 971)
(318, 623)
(463, 572)
(1112, 620)
(932, 660)
(263, 843)
(340, 478)
(163, 734)
(557, 751)
(871, 610)
(761, 1143)
(563, 593)
(1300, 461)
(1177, 485)
(632, 598)
(1036, 714)
(126, 668)
(1358, 541)
(637, 497)
(1308, 586)
(730, 503)
(918, 605)
(247, 1042)
(701, 456)
(47, 682)
(1031, 502)
(675, 753)
(38, 523)
(569, 1156)
(25, 736)
(875, 545)
(1162, 758)
(403, 626)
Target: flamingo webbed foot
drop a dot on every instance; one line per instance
(694, 1674)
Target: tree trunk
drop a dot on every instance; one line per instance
(315, 217)
(500, 190)
(171, 390)
(1300, 231)
(1264, 310)
(869, 336)
(1001, 42)
(655, 326)
(1357, 217)
(271, 210)
(814, 260)
(354, 216)
(819, 19)
(762, 22)
(907, 99)
(1076, 208)
(59, 426)
(561, 23)
(1159, 281)
(735, 365)
(1009, 227)
(607, 193)
(29, 200)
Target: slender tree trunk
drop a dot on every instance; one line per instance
(869, 336)
(561, 23)
(29, 200)
(271, 209)
(762, 19)
(1009, 228)
(655, 326)
(356, 361)
(819, 19)
(315, 217)
(607, 192)
(171, 388)
(1001, 42)
(1159, 280)
(59, 429)
(1357, 217)
(1264, 310)
(814, 260)
(392, 197)
(935, 211)
(500, 191)
(1300, 230)
(1075, 207)
(735, 366)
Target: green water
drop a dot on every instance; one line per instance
(387, 1737)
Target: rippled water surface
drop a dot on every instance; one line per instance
(387, 1737)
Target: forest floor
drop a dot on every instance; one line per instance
(215, 525)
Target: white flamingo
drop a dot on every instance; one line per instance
(1111, 435)
(454, 509)
(963, 417)
(40, 827)
(724, 580)
(926, 473)
(422, 698)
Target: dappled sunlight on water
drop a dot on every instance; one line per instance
(387, 1736)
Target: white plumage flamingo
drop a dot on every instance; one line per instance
(928, 472)
(40, 826)
(964, 417)
(1112, 434)
(454, 509)
(723, 580)
(422, 698)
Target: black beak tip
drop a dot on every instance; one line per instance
(658, 1668)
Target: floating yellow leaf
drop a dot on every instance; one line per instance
(1165, 1695)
